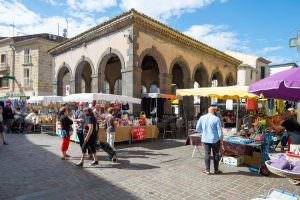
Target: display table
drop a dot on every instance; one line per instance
(123, 134)
(230, 148)
(48, 129)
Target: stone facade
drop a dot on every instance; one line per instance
(28, 61)
(251, 69)
(148, 53)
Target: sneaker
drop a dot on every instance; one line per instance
(80, 164)
(218, 172)
(94, 163)
(5, 143)
(205, 172)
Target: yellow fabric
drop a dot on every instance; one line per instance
(175, 102)
(230, 92)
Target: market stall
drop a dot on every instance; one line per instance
(47, 108)
(126, 132)
(284, 85)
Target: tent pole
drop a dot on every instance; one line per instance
(237, 114)
(156, 111)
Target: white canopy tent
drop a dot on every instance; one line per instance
(89, 97)
(45, 99)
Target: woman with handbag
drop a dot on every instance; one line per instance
(66, 124)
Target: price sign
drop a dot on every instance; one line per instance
(138, 133)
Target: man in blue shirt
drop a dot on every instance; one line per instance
(212, 138)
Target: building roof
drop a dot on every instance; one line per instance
(284, 65)
(134, 17)
(45, 36)
(247, 58)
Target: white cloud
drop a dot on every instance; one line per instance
(91, 5)
(216, 36)
(54, 2)
(269, 49)
(164, 9)
(35, 23)
(15, 12)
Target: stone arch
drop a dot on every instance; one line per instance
(64, 65)
(85, 59)
(101, 64)
(200, 75)
(110, 76)
(217, 75)
(180, 74)
(229, 80)
(153, 52)
(83, 75)
(63, 78)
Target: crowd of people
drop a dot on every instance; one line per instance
(87, 128)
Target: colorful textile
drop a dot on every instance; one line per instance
(251, 104)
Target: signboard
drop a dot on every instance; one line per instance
(68, 89)
(138, 133)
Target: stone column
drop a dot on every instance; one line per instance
(100, 83)
(54, 86)
(188, 102)
(94, 84)
(165, 82)
(72, 86)
(131, 84)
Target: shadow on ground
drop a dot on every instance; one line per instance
(35, 173)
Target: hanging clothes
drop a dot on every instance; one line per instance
(280, 105)
(125, 106)
(229, 104)
(251, 104)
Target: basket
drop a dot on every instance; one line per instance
(294, 176)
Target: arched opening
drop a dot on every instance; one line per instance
(216, 79)
(63, 81)
(150, 74)
(83, 78)
(200, 80)
(111, 67)
(229, 80)
(180, 75)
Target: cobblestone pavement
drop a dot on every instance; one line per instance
(31, 168)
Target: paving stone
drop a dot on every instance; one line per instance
(31, 168)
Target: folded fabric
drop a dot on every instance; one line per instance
(296, 169)
(280, 164)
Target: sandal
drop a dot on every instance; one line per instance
(205, 172)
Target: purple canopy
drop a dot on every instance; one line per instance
(282, 85)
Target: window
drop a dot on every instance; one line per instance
(3, 82)
(27, 80)
(251, 75)
(3, 59)
(27, 56)
(262, 72)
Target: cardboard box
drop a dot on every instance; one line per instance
(234, 161)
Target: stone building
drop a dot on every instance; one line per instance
(252, 69)
(132, 53)
(25, 65)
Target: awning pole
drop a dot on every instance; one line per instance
(237, 114)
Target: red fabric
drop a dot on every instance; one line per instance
(65, 144)
(252, 104)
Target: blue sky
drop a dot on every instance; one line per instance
(261, 27)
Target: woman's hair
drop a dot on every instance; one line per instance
(89, 111)
(62, 110)
(110, 110)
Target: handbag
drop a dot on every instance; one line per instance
(59, 131)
